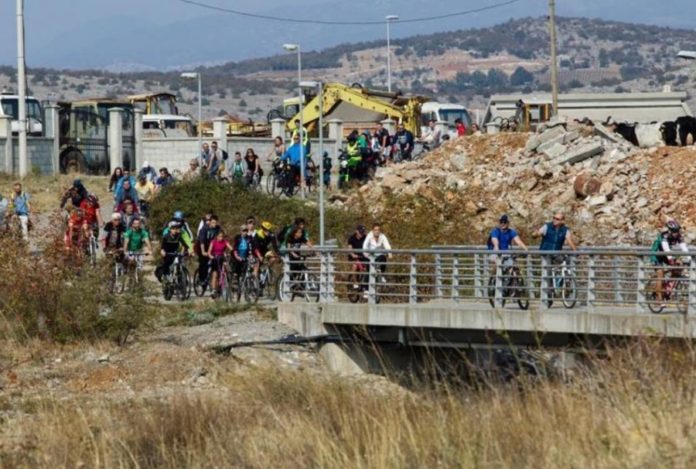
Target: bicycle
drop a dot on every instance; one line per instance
(512, 282)
(562, 279)
(92, 247)
(225, 284)
(267, 280)
(199, 287)
(130, 271)
(178, 280)
(248, 284)
(674, 287)
(301, 282)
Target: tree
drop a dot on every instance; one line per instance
(497, 79)
(242, 103)
(521, 77)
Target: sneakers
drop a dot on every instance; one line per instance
(366, 295)
(356, 286)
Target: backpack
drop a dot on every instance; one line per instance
(225, 155)
(243, 246)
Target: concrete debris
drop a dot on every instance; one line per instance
(611, 191)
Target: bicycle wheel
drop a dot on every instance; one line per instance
(354, 294)
(311, 287)
(167, 290)
(681, 295)
(272, 183)
(519, 290)
(251, 289)
(491, 293)
(654, 305)
(185, 272)
(118, 279)
(569, 291)
(182, 284)
(280, 289)
(93, 251)
(198, 286)
(225, 287)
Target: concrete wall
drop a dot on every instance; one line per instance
(175, 153)
(40, 151)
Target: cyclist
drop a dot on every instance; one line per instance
(555, 234)
(253, 170)
(134, 240)
(267, 242)
(285, 233)
(204, 222)
(205, 237)
(356, 242)
(172, 243)
(125, 191)
(375, 240)
(75, 234)
(296, 244)
(216, 253)
(90, 208)
(243, 249)
(502, 238)
(148, 171)
(165, 179)
(668, 239)
(76, 194)
(294, 156)
(128, 213)
(146, 192)
(186, 233)
(114, 232)
(305, 136)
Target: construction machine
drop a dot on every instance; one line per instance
(355, 105)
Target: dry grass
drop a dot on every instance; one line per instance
(635, 409)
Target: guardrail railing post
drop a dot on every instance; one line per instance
(372, 281)
(330, 278)
(322, 276)
(413, 281)
(544, 283)
(591, 284)
(691, 306)
(286, 283)
(640, 285)
(438, 276)
(530, 278)
(455, 278)
(616, 272)
(479, 275)
(499, 280)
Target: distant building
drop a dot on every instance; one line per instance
(629, 107)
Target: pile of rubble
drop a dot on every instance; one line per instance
(612, 192)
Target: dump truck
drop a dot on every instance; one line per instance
(357, 106)
(84, 135)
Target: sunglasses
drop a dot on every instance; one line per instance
(558, 219)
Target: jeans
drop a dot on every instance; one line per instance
(24, 222)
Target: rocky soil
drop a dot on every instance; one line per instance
(611, 192)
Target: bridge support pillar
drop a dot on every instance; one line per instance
(6, 133)
(115, 138)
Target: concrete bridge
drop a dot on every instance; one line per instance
(459, 298)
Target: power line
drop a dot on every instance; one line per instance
(345, 23)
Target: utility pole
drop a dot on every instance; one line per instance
(22, 92)
(554, 56)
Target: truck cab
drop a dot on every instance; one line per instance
(9, 106)
(444, 112)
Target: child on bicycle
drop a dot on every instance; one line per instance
(216, 252)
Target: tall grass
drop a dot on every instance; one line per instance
(634, 409)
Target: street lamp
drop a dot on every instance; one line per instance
(298, 49)
(192, 75)
(319, 87)
(389, 19)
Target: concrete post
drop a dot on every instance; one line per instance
(220, 132)
(278, 128)
(116, 138)
(493, 128)
(336, 134)
(6, 132)
(51, 129)
(390, 125)
(138, 134)
(591, 284)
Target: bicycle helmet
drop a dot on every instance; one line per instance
(115, 216)
(173, 225)
(267, 225)
(673, 226)
(178, 215)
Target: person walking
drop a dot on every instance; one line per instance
(21, 208)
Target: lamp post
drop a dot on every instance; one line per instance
(300, 131)
(22, 92)
(192, 75)
(389, 19)
(319, 86)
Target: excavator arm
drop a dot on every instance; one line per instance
(405, 110)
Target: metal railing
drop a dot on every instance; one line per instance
(621, 280)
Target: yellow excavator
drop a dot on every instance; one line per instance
(358, 107)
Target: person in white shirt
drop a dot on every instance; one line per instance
(377, 241)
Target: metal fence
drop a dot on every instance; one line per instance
(592, 280)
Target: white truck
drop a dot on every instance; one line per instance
(444, 112)
(9, 106)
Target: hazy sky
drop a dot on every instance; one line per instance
(60, 28)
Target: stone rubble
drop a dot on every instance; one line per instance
(611, 191)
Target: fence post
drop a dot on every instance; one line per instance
(438, 276)
(372, 280)
(543, 283)
(479, 274)
(455, 278)
(640, 285)
(330, 278)
(616, 271)
(499, 280)
(692, 288)
(530, 278)
(286, 283)
(323, 284)
(413, 282)
(591, 284)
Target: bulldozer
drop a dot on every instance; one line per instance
(355, 105)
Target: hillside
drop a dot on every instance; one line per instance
(463, 66)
